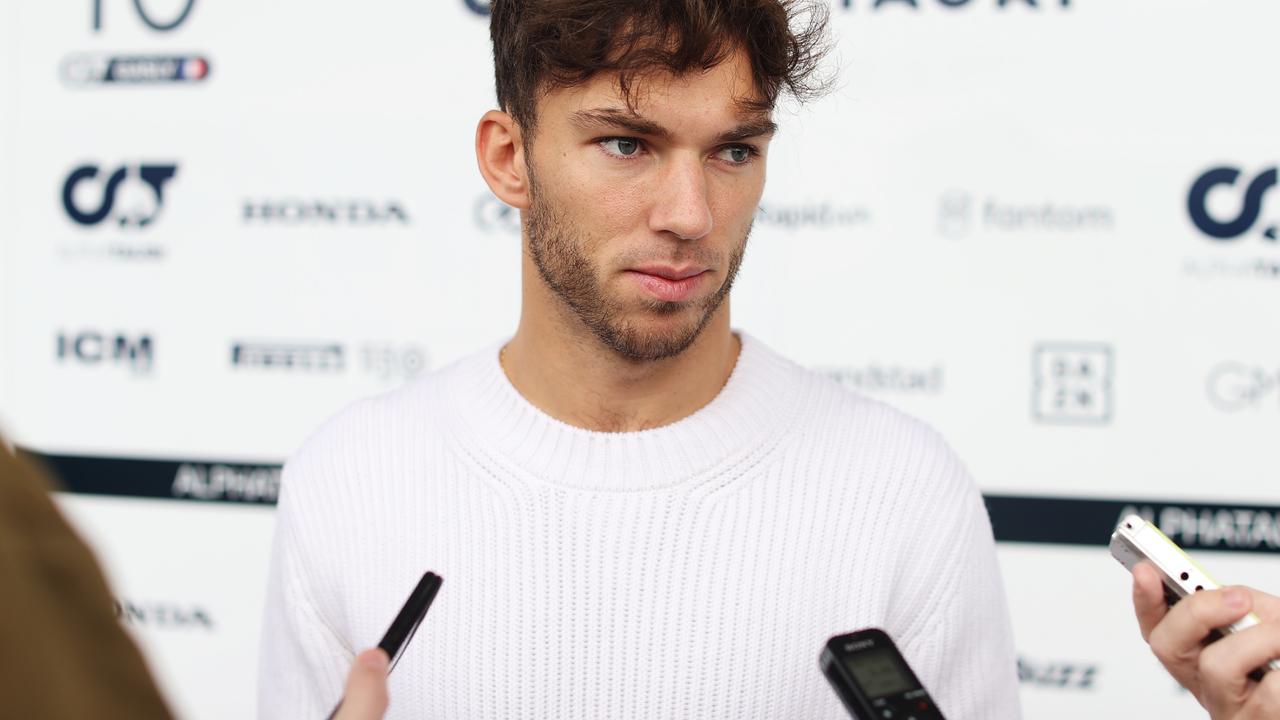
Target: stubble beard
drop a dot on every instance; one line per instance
(558, 252)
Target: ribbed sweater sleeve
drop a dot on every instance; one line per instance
(303, 662)
(956, 628)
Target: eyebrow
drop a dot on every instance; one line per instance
(614, 118)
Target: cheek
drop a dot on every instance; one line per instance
(606, 205)
(734, 207)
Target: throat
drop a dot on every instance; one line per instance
(595, 390)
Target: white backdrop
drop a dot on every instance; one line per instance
(987, 224)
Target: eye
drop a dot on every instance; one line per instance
(737, 154)
(623, 147)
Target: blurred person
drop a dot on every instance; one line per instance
(1216, 673)
(63, 653)
(641, 512)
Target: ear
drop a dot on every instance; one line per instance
(500, 154)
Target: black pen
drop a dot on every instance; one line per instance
(406, 623)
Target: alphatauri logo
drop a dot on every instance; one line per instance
(131, 196)
(1252, 192)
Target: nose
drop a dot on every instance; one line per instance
(680, 200)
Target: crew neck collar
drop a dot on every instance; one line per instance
(747, 413)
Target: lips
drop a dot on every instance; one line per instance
(669, 284)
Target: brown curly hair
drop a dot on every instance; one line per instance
(539, 45)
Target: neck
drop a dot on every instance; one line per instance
(560, 367)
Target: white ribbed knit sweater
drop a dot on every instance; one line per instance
(689, 571)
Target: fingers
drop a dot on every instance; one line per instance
(1178, 639)
(1264, 700)
(366, 694)
(1267, 606)
(1148, 598)
(1226, 664)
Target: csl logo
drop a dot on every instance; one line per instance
(479, 7)
(1232, 228)
(149, 18)
(147, 195)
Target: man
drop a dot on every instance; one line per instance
(62, 649)
(639, 512)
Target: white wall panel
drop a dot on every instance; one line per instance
(986, 224)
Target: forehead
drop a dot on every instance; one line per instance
(724, 94)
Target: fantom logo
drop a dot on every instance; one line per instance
(144, 205)
(1255, 192)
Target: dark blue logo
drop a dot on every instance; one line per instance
(146, 16)
(1231, 228)
(142, 214)
(479, 7)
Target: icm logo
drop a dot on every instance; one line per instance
(492, 215)
(131, 196)
(1235, 386)
(300, 357)
(479, 7)
(1072, 383)
(92, 348)
(1231, 227)
(324, 212)
(93, 69)
(952, 4)
(163, 615)
(159, 15)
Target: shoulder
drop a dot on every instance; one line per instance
(865, 441)
(370, 436)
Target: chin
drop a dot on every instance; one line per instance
(649, 336)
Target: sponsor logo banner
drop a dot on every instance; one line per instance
(211, 481)
(875, 379)
(1072, 383)
(163, 615)
(90, 348)
(1085, 521)
(960, 213)
(1014, 518)
(96, 69)
(1234, 386)
(1058, 674)
(85, 207)
(301, 357)
(324, 211)
(1228, 207)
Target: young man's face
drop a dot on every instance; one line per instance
(638, 220)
